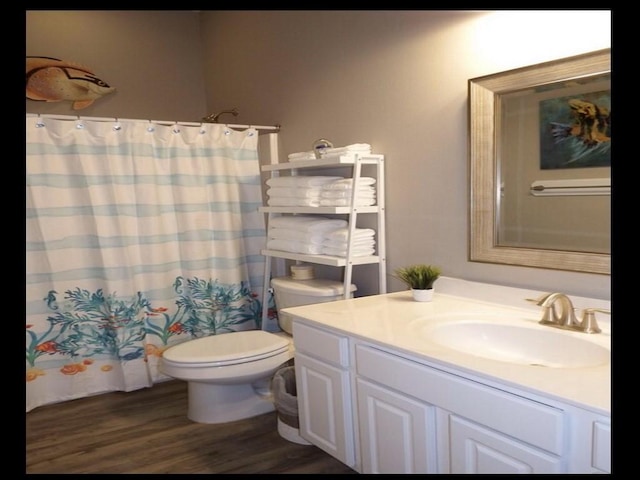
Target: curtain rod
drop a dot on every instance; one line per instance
(267, 128)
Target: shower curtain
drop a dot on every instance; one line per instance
(139, 236)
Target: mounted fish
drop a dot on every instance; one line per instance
(54, 80)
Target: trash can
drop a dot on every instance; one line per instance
(286, 404)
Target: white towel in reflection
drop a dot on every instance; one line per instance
(308, 223)
(294, 246)
(301, 181)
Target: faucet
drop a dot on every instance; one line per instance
(559, 312)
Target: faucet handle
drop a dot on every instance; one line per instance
(589, 323)
(549, 315)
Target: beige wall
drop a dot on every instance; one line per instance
(152, 58)
(394, 79)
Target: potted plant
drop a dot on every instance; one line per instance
(420, 279)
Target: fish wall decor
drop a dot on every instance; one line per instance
(54, 80)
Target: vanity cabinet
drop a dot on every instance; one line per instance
(401, 414)
(397, 432)
(322, 373)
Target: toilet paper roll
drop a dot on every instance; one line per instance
(302, 272)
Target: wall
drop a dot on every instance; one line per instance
(394, 79)
(152, 58)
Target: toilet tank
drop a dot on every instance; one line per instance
(289, 292)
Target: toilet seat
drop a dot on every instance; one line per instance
(221, 350)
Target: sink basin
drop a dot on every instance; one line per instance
(520, 345)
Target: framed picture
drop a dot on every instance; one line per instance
(575, 130)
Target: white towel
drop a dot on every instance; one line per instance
(308, 223)
(358, 244)
(364, 192)
(293, 202)
(294, 246)
(347, 183)
(362, 148)
(301, 181)
(299, 192)
(342, 252)
(298, 235)
(301, 156)
(346, 202)
(342, 234)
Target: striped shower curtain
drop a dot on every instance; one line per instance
(139, 236)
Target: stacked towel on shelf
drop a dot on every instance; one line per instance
(293, 202)
(360, 148)
(339, 192)
(295, 157)
(300, 192)
(308, 223)
(301, 233)
(362, 242)
(347, 183)
(296, 191)
(301, 181)
(294, 246)
(319, 191)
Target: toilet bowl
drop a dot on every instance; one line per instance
(229, 375)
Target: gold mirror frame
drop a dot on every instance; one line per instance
(484, 130)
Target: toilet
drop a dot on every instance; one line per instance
(229, 374)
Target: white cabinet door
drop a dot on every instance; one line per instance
(479, 450)
(324, 406)
(397, 433)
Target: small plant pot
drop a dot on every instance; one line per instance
(422, 295)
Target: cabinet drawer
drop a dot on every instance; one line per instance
(321, 344)
(532, 422)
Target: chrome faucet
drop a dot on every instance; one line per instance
(559, 312)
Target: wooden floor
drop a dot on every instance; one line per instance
(147, 431)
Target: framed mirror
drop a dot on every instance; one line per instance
(540, 165)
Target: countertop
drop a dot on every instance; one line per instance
(396, 321)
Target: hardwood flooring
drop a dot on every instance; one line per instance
(147, 431)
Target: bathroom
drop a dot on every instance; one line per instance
(394, 79)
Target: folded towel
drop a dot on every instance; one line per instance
(346, 202)
(299, 192)
(362, 148)
(301, 181)
(293, 202)
(302, 155)
(298, 235)
(342, 252)
(347, 183)
(342, 234)
(308, 223)
(343, 245)
(364, 192)
(294, 246)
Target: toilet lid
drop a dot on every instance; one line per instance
(225, 349)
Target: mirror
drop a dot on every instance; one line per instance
(540, 165)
